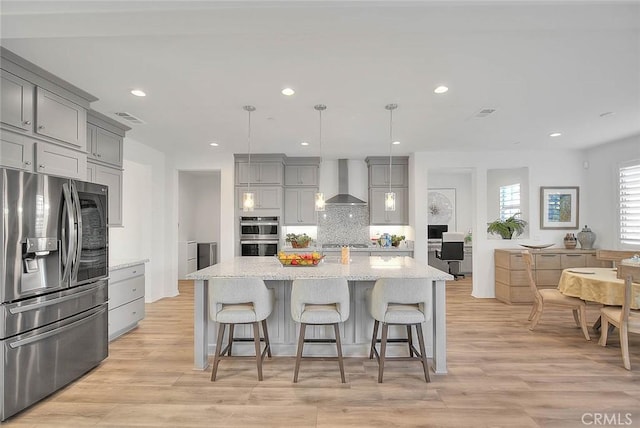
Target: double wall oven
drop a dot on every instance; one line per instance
(259, 236)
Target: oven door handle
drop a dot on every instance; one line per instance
(258, 223)
(259, 242)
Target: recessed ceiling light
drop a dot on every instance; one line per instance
(288, 92)
(555, 134)
(214, 144)
(138, 93)
(304, 143)
(395, 143)
(606, 113)
(441, 89)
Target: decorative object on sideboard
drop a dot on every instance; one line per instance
(559, 207)
(508, 228)
(390, 197)
(586, 238)
(298, 241)
(248, 197)
(319, 198)
(570, 241)
(536, 247)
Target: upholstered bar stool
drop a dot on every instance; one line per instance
(319, 301)
(240, 301)
(399, 301)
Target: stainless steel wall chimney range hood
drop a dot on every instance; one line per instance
(343, 197)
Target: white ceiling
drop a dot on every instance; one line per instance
(545, 67)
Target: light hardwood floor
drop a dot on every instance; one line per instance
(500, 374)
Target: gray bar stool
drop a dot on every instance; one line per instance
(319, 301)
(240, 301)
(399, 301)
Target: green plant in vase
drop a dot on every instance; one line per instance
(298, 240)
(396, 239)
(508, 228)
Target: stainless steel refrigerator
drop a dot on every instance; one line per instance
(53, 284)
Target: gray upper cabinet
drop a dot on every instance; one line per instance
(57, 160)
(299, 206)
(267, 173)
(61, 119)
(379, 183)
(112, 178)
(266, 198)
(379, 175)
(105, 138)
(42, 106)
(16, 102)
(377, 212)
(16, 151)
(301, 175)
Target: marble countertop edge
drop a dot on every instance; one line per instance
(125, 263)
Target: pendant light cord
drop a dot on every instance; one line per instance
(390, 143)
(249, 148)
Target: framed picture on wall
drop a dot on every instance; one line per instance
(559, 207)
(441, 207)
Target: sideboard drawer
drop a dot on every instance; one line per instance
(547, 261)
(548, 277)
(573, 260)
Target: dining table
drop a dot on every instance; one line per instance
(600, 285)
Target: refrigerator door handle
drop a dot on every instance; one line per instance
(78, 237)
(39, 305)
(68, 233)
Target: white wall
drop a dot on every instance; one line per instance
(199, 206)
(601, 201)
(460, 181)
(146, 230)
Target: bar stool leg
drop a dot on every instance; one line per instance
(383, 349)
(339, 348)
(216, 358)
(410, 340)
(266, 337)
(299, 354)
(231, 326)
(256, 340)
(374, 338)
(423, 354)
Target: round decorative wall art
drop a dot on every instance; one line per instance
(441, 206)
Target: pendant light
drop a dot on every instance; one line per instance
(248, 197)
(320, 204)
(390, 197)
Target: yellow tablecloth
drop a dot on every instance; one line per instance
(596, 285)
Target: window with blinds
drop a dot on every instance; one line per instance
(630, 203)
(509, 200)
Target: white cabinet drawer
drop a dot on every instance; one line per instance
(125, 273)
(122, 292)
(125, 317)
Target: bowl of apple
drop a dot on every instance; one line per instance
(299, 259)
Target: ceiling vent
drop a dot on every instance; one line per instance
(128, 117)
(485, 112)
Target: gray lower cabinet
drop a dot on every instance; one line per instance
(16, 103)
(126, 299)
(56, 160)
(16, 151)
(112, 178)
(299, 206)
(266, 198)
(377, 212)
(61, 119)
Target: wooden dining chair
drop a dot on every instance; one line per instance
(626, 319)
(553, 296)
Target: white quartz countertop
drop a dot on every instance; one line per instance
(360, 269)
(125, 263)
(402, 249)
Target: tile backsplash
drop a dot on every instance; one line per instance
(344, 224)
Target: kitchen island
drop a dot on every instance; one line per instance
(356, 332)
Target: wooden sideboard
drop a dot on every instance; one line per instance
(512, 285)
